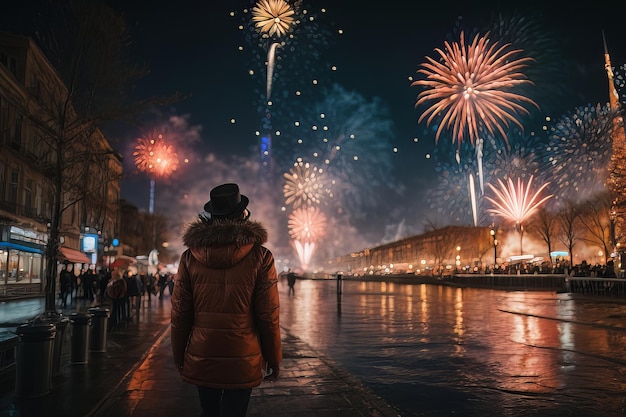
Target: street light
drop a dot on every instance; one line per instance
(493, 232)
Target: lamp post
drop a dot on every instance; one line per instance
(493, 232)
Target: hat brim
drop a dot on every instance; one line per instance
(235, 211)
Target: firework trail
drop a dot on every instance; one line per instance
(472, 191)
(516, 204)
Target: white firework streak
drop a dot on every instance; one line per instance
(305, 252)
(516, 204)
(271, 58)
(472, 190)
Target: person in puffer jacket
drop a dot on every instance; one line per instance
(225, 307)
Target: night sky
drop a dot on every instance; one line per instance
(192, 47)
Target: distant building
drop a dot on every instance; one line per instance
(435, 252)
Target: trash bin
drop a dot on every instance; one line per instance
(81, 326)
(100, 323)
(33, 372)
(61, 322)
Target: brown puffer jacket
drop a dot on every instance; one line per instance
(225, 306)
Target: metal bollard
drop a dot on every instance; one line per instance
(100, 319)
(34, 359)
(81, 324)
(339, 283)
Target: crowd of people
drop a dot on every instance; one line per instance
(120, 287)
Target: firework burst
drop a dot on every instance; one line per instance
(471, 88)
(306, 227)
(305, 185)
(307, 224)
(156, 157)
(578, 153)
(516, 204)
(272, 17)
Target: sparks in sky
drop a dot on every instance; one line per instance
(305, 185)
(272, 17)
(154, 156)
(471, 88)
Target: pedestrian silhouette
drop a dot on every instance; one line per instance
(291, 282)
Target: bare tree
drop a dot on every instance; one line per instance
(595, 218)
(569, 222)
(545, 225)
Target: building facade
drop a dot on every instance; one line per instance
(85, 187)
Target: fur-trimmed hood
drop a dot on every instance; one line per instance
(222, 243)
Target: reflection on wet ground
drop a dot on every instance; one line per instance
(434, 350)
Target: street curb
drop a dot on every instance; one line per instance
(101, 405)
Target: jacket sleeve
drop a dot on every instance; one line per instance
(266, 308)
(182, 310)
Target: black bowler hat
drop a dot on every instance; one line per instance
(226, 201)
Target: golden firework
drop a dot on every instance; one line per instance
(305, 185)
(272, 17)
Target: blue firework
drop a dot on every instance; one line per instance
(577, 155)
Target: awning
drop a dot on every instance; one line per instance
(19, 247)
(72, 255)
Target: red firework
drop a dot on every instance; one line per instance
(155, 156)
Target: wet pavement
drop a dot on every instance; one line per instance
(434, 351)
(135, 376)
(376, 349)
